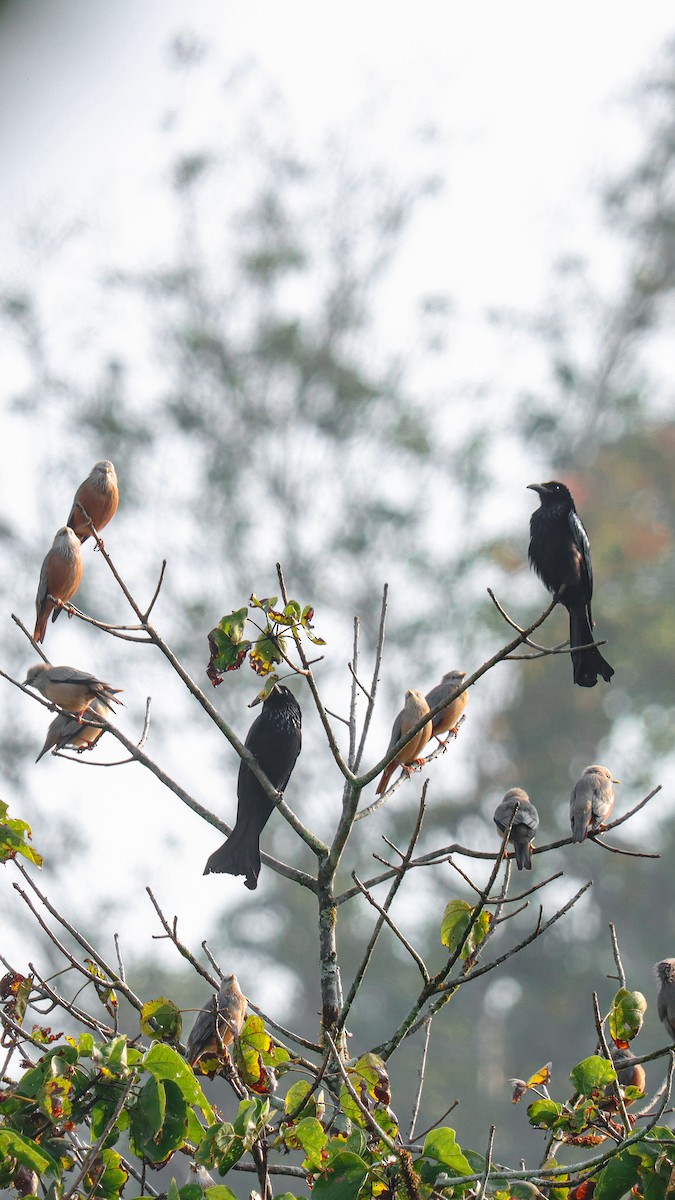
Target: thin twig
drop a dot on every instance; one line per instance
(488, 1163)
(620, 973)
(420, 1085)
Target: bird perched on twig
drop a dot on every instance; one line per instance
(69, 688)
(413, 710)
(525, 825)
(560, 553)
(59, 579)
(99, 496)
(274, 739)
(591, 801)
(446, 720)
(218, 1023)
(665, 1001)
(71, 731)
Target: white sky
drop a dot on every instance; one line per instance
(525, 95)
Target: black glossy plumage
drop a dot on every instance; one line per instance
(275, 738)
(560, 553)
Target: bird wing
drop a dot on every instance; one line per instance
(528, 816)
(580, 539)
(70, 675)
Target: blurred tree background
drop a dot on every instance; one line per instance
(258, 409)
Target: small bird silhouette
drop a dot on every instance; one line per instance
(274, 739)
(560, 553)
(591, 801)
(71, 731)
(222, 1018)
(59, 579)
(99, 496)
(69, 688)
(413, 710)
(665, 1001)
(524, 827)
(446, 720)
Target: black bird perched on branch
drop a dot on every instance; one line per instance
(274, 739)
(560, 553)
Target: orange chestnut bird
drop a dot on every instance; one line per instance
(59, 579)
(446, 720)
(525, 825)
(665, 1001)
(70, 731)
(99, 496)
(591, 801)
(628, 1072)
(413, 710)
(222, 1018)
(69, 688)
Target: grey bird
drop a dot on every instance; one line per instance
(524, 827)
(225, 1013)
(665, 1001)
(413, 710)
(70, 731)
(591, 801)
(446, 720)
(69, 688)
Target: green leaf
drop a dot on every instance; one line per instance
(164, 1062)
(220, 1192)
(12, 839)
(617, 1178)
(85, 1045)
(311, 1136)
(306, 622)
(114, 1176)
(441, 1144)
(268, 687)
(157, 1144)
(267, 650)
(265, 605)
(227, 646)
(592, 1075)
(455, 923)
(191, 1191)
(28, 1153)
(344, 1179)
(161, 1018)
(114, 1055)
(627, 1015)
(544, 1113)
(294, 1095)
(152, 1103)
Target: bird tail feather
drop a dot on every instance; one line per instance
(586, 664)
(239, 855)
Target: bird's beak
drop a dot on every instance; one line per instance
(616, 781)
(536, 487)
